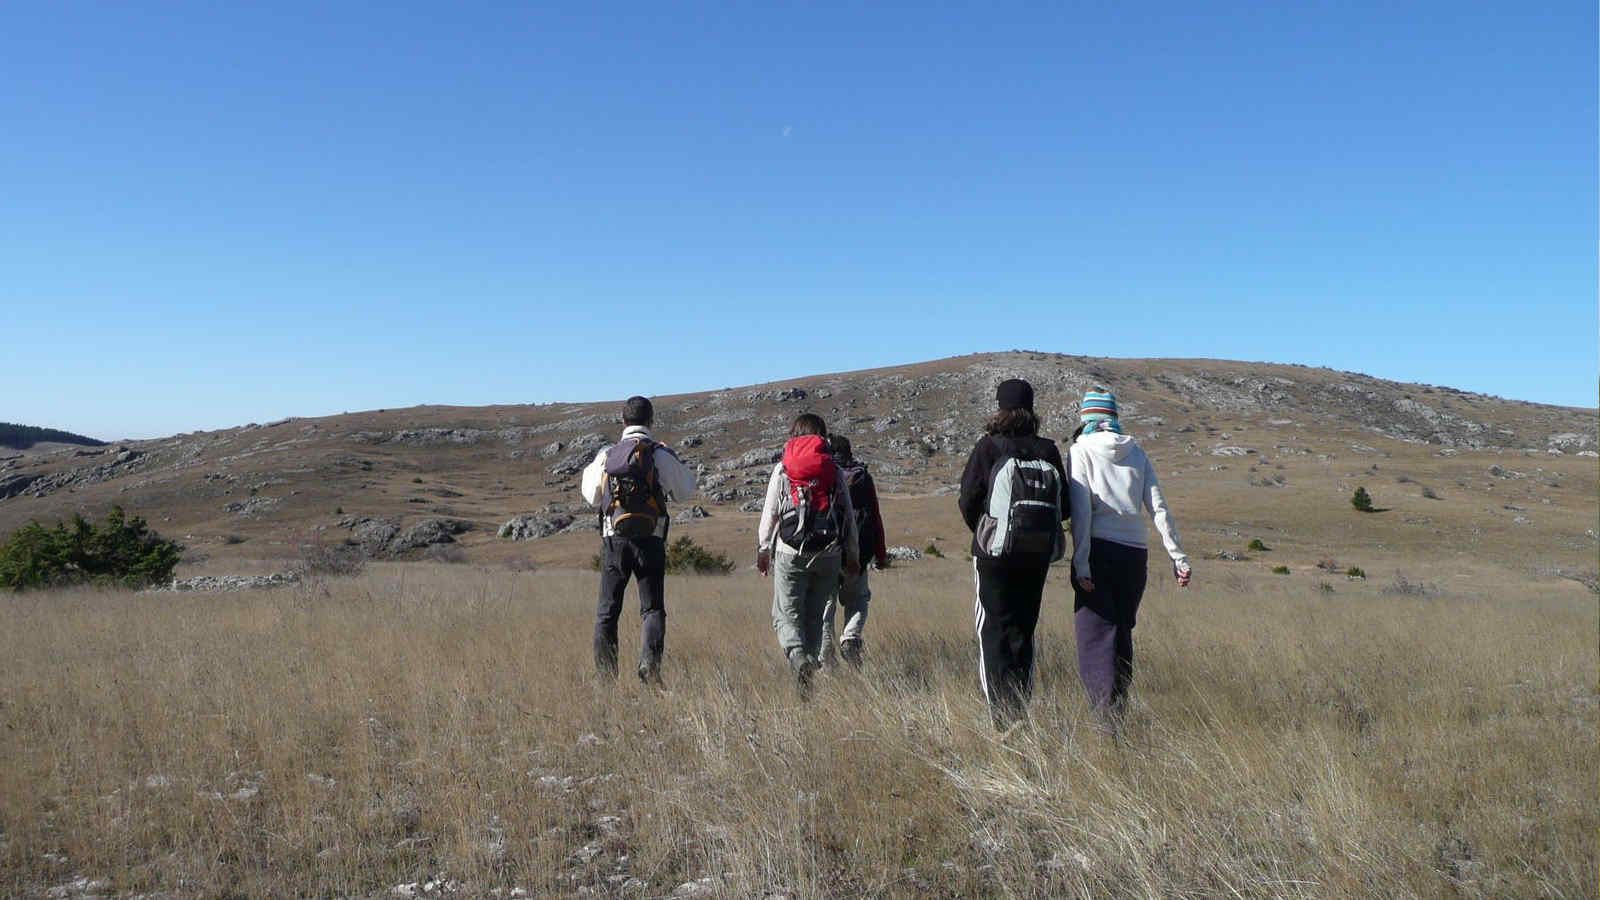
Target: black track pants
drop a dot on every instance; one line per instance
(621, 558)
(1006, 613)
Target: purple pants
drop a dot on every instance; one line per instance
(1104, 622)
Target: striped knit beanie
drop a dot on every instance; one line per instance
(1098, 411)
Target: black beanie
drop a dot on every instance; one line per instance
(1014, 393)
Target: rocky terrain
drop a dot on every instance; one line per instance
(396, 482)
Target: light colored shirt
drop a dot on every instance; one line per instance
(676, 481)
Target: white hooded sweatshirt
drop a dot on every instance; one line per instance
(1112, 482)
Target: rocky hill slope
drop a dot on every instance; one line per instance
(399, 481)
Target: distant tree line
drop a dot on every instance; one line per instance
(21, 437)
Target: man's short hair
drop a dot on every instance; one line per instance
(840, 445)
(637, 411)
(808, 423)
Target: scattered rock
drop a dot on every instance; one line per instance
(533, 527)
(904, 554)
(215, 583)
(255, 506)
(428, 532)
(750, 458)
(694, 512)
(12, 485)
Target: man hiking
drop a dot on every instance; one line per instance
(806, 540)
(630, 482)
(854, 593)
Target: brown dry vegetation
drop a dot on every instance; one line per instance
(424, 722)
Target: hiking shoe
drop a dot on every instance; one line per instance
(650, 673)
(804, 668)
(850, 652)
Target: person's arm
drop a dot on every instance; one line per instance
(974, 484)
(1156, 502)
(1081, 503)
(676, 478)
(880, 550)
(594, 478)
(767, 531)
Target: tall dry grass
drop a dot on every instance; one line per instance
(423, 724)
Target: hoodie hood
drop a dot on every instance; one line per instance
(1109, 444)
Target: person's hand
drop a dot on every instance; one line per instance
(1086, 583)
(852, 567)
(763, 562)
(1181, 572)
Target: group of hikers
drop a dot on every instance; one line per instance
(821, 527)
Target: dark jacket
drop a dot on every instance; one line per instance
(988, 452)
(872, 539)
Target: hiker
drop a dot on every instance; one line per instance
(854, 593)
(1013, 498)
(630, 482)
(1112, 483)
(806, 540)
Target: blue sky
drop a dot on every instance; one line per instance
(216, 215)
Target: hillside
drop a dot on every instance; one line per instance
(1276, 448)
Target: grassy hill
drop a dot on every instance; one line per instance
(433, 728)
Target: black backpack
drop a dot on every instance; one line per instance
(632, 499)
(1023, 514)
(856, 480)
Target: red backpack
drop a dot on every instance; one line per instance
(809, 518)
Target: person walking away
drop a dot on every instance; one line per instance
(807, 538)
(630, 482)
(855, 594)
(1112, 483)
(1013, 498)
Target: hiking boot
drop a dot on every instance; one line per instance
(804, 668)
(850, 651)
(650, 673)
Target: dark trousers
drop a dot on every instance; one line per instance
(621, 558)
(1104, 623)
(1006, 613)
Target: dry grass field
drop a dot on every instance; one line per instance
(433, 729)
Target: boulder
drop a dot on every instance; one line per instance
(435, 530)
(12, 485)
(750, 458)
(533, 527)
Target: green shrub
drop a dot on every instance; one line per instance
(118, 552)
(1255, 544)
(594, 562)
(1428, 493)
(684, 555)
(1355, 572)
(932, 550)
(1361, 500)
(1280, 570)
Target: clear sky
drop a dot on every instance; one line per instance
(212, 214)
